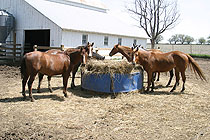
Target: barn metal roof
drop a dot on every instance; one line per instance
(74, 18)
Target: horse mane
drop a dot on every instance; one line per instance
(70, 50)
(125, 48)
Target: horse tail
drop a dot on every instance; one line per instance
(194, 65)
(23, 68)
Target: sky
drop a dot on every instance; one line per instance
(194, 17)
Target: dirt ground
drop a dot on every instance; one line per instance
(133, 116)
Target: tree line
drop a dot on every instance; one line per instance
(184, 39)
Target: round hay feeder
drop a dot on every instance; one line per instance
(111, 77)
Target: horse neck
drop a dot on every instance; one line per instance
(144, 56)
(124, 51)
(75, 57)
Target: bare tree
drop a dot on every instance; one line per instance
(155, 16)
(158, 39)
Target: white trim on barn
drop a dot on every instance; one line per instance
(68, 20)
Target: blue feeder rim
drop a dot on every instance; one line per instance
(114, 83)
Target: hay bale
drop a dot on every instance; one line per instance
(110, 67)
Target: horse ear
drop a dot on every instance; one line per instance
(92, 44)
(117, 45)
(134, 45)
(81, 49)
(137, 49)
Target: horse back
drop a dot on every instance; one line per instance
(45, 63)
(53, 51)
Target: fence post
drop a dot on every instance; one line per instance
(62, 47)
(14, 46)
(35, 47)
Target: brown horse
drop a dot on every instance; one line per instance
(163, 62)
(50, 64)
(124, 50)
(75, 69)
(127, 52)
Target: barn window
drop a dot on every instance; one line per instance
(84, 39)
(106, 40)
(119, 41)
(134, 41)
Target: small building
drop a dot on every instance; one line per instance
(69, 23)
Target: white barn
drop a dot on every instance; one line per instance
(69, 23)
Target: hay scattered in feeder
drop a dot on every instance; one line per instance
(110, 66)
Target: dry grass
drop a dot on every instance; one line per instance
(110, 67)
(158, 115)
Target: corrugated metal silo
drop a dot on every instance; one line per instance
(7, 22)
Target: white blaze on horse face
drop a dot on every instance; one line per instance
(134, 58)
(90, 51)
(84, 59)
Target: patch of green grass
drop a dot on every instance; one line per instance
(200, 55)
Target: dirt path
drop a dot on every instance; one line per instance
(158, 115)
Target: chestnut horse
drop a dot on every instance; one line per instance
(127, 52)
(75, 69)
(50, 64)
(163, 62)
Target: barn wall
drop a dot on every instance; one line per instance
(73, 39)
(28, 18)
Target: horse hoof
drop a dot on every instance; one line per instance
(72, 86)
(65, 95)
(51, 90)
(172, 90)
(32, 100)
(24, 98)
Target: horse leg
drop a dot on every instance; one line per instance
(158, 78)
(73, 75)
(154, 75)
(149, 79)
(183, 79)
(171, 76)
(49, 85)
(24, 81)
(65, 82)
(40, 81)
(30, 82)
(153, 84)
(177, 80)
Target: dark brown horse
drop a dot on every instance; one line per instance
(163, 62)
(50, 64)
(75, 69)
(127, 52)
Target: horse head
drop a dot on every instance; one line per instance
(84, 52)
(134, 55)
(89, 49)
(114, 50)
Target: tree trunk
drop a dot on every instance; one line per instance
(152, 43)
